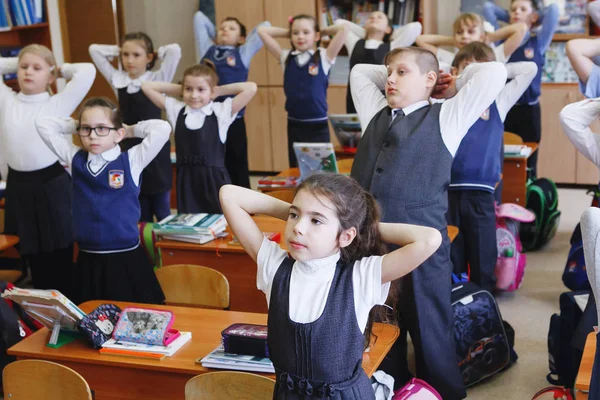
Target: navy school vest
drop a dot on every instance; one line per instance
(230, 67)
(305, 88)
(362, 55)
(106, 208)
(477, 162)
(531, 51)
(406, 166)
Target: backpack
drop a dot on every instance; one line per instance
(510, 266)
(575, 276)
(563, 358)
(542, 200)
(416, 389)
(15, 325)
(482, 344)
(553, 393)
(148, 240)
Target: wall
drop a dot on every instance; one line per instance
(165, 22)
(448, 10)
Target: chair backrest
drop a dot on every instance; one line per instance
(193, 285)
(228, 385)
(345, 165)
(285, 195)
(590, 233)
(512, 138)
(38, 379)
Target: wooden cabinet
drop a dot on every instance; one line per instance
(258, 128)
(558, 158)
(278, 128)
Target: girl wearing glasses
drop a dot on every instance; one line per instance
(106, 184)
(38, 195)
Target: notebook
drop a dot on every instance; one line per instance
(315, 157)
(346, 128)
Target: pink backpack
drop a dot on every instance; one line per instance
(510, 266)
(416, 389)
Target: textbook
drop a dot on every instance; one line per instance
(279, 182)
(517, 150)
(315, 157)
(194, 238)
(47, 307)
(346, 128)
(219, 359)
(202, 223)
(118, 347)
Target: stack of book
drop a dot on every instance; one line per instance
(278, 182)
(219, 359)
(20, 13)
(48, 307)
(192, 228)
(139, 350)
(517, 150)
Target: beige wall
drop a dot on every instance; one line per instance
(448, 10)
(165, 21)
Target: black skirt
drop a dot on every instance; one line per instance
(125, 276)
(38, 209)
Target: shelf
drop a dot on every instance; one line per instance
(26, 27)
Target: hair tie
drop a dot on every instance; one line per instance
(52, 68)
(290, 19)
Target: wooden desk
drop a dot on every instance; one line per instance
(342, 154)
(584, 376)
(343, 169)
(8, 242)
(127, 378)
(231, 261)
(514, 187)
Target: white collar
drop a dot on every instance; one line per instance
(33, 98)
(298, 52)
(107, 156)
(122, 79)
(413, 107)
(312, 267)
(206, 110)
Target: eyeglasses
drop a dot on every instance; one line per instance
(85, 131)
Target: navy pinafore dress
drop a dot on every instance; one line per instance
(323, 358)
(200, 166)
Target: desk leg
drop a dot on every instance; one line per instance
(515, 182)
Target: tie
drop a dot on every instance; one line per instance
(397, 114)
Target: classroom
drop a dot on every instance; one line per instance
(401, 201)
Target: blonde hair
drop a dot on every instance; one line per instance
(44, 53)
(468, 19)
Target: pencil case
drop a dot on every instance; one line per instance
(99, 325)
(246, 339)
(146, 325)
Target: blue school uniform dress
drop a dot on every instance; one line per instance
(232, 66)
(111, 265)
(305, 82)
(475, 172)
(200, 137)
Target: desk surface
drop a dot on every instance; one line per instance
(8, 241)
(206, 327)
(584, 376)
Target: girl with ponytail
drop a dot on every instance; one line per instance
(320, 295)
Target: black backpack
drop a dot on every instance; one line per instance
(542, 200)
(484, 342)
(563, 357)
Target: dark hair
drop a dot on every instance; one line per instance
(354, 207)
(388, 36)
(316, 56)
(147, 45)
(534, 4)
(237, 21)
(103, 102)
(477, 51)
(206, 69)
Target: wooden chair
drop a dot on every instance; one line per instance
(193, 285)
(345, 164)
(285, 195)
(512, 138)
(38, 379)
(228, 385)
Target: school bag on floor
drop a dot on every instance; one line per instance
(482, 344)
(416, 389)
(542, 200)
(575, 276)
(553, 393)
(563, 358)
(510, 266)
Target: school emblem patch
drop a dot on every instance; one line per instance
(116, 179)
(313, 69)
(231, 61)
(486, 115)
(529, 53)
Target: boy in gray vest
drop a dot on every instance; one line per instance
(404, 159)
